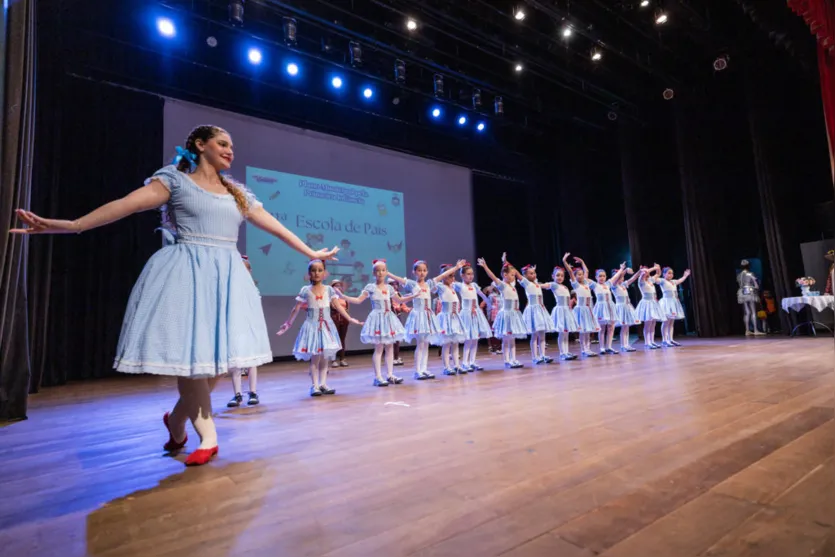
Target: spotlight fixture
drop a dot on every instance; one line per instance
(400, 71)
(644, 3)
(596, 55)
(612, 115)
(254, 56)
(519, 14)
(327, 45)
(336, 82)
(476, 98)
(669, 94)
(355, 50)
(721, 63)
(292, 69)
(290, 31)
(462, 120)
(236, 12)
(166, 27)
(436, 112)
(566, 31)
(368, 92)
(480, 127)
(439, 85)
(661, 17)
(498, 106)
(518, 68)
(411, 24)
(211, 41)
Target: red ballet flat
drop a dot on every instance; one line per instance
(201, 456)
(172, 445)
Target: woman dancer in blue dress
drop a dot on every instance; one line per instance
(194, 312)
(318, 339)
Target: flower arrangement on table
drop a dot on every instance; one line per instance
(805, 283)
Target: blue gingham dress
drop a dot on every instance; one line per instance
(561, 316)
(586, 321)
(449, 319)
(648, 308)
(473, 319)
(381, 326)
(623, 307)
(536, 317)
(604, 308)
(195, 310)
(670, 304)
(421, 323)
(509, 322)
(318, 335)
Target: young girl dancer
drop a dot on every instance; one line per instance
(586, 321)
(251, 373)
(191, 293)
(318, 339)
(340, 322)
(537, 320)
(473, 319)
(626, 315)
(449, 320)
(509, 324)
(670, 305)
(422, 323)
(648, 310)
(604, 308)
(382, 328)
(494, 303)
(562, 316)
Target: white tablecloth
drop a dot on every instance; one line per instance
(819, 303)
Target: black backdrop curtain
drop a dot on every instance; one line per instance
(95, 143)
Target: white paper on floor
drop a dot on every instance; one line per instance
(398, 403)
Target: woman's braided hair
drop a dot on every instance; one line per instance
(204, 134)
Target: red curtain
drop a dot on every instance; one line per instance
(820, 16)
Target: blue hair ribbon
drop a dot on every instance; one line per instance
(185, 153)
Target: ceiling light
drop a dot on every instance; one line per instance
(644, 3)
(661, 18)
(519, 14)
(596, 55)
(518, 68)
(411, 24)
(566, 32)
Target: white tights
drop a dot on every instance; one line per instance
(509, 348)
(195, 404)
(667, 330)
(422, 356)
(318, 369)
(470, 349)
(585, 342)
(538, 345)
(449, 351)
(606, 335)
(749, 317)
(624, 336)
(649, 332)
(377, 360)
(252, 376)
(562, 342)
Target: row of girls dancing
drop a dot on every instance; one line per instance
(602, 305)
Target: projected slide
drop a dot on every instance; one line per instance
(366, 224)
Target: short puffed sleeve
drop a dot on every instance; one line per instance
(302, 297)
(411, 286)
(252, 201)
(431, 284)
(168, 176)
(331, 292)
(370, 289)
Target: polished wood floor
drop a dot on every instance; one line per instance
(718, 448)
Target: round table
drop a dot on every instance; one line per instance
(819, 303)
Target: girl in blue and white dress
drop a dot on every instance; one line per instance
(422, 324)
(318, 340)
(473, 319)
(604, 308)
(586, 321)
(649, 310)
(670, 304)
(509, 324)
(449, 320)
(194, 312)
(623, 308)
(382, 327)
(561, 316)
(537, 320)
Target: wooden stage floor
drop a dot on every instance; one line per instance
(718, 448)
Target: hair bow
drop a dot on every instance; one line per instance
(245, 257)
(185, 154)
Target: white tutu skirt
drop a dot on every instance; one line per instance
(382, 327)
(422, 325)
(317, 338)
(537, 319)
(563, 319)
(650, 310)
(193, 312)
(509, 322)
(605, 313)
(672, 308)
(626, 314)
(475, 325)
(744, 295)
(586, 321)
(451, 327)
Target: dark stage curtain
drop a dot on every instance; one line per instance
(96, 143)
(16, 159)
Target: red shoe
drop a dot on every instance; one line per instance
(172, 445)
(201, 456)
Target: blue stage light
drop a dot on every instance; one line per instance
(166, 27)
(255, 56)
(436, 112)
(368, 92)
(292, 69)
(480, 127)
(336, 82)
(462, 120)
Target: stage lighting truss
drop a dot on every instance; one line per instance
(236, 12)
